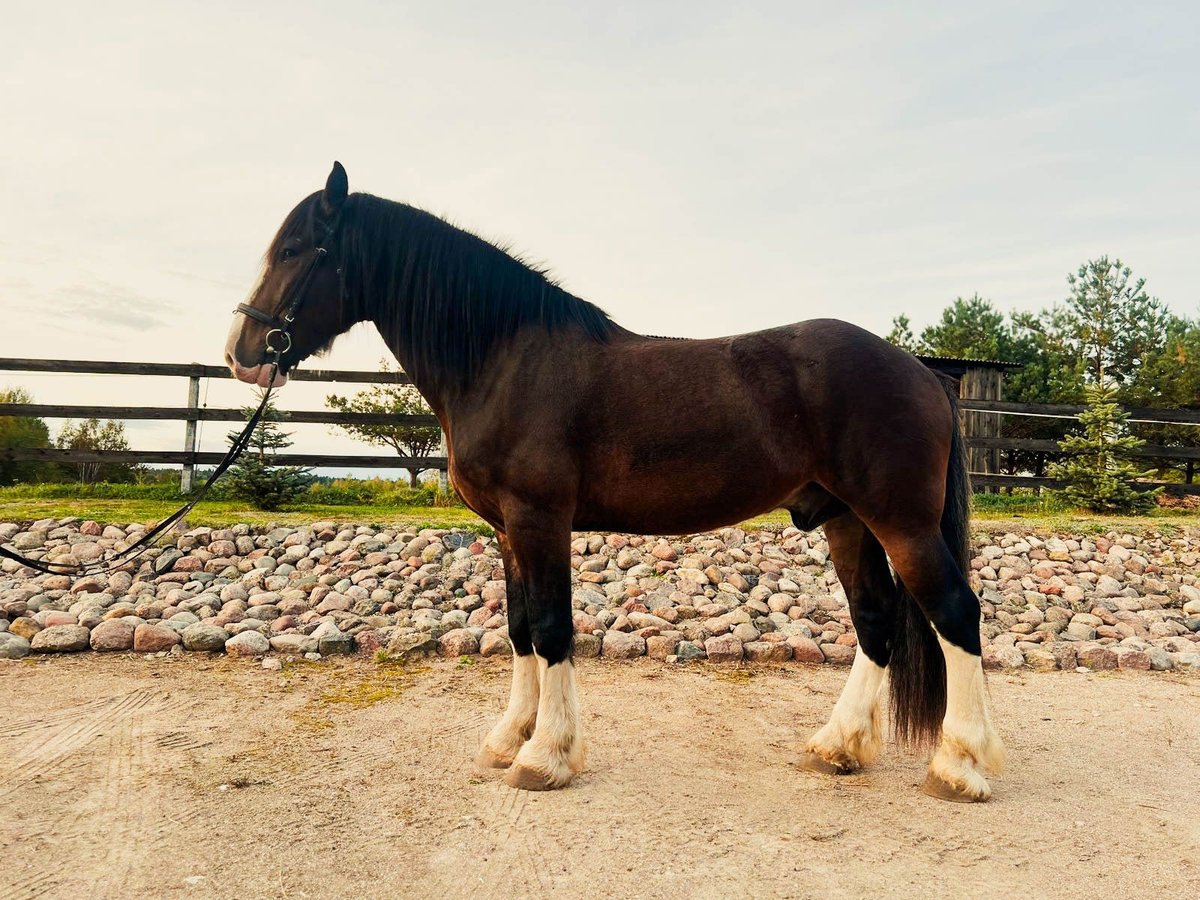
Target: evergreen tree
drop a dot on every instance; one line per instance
(902, 335)
(1097, 468)
(254, 478)
(1113, 322)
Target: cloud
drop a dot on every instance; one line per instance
(109, 306)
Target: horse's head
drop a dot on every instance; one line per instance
(298, 306)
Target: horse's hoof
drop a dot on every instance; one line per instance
(811, 762)
(942, 790)
(527, 778)
(487, 759)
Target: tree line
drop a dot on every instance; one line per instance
(1108, 332)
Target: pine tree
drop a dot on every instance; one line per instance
(254, 478)
(1098, 472)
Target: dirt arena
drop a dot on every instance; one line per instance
(207, 777)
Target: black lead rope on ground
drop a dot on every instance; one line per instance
(144, 543)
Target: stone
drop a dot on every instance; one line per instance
(403, 644)
(201, 638)
(1041, 660)
(298, 644)
(247, 643)
(587, 646)
(1133, 659)
(661, 646)
(150, 638)
(767, 652)
(495, 643)
(60, 639)
(458, 642)
(723, 648)
(25, 627)
(839, 654)
(805, 650)
(166, 560)
(1097, 658)
(13, 646)
(622, 645)
(114, 635)
(686, 651)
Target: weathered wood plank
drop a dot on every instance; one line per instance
(1149, 451)
(134, 457)
(1068, 411)
(197, 370)
(318, 416)
(981, 480)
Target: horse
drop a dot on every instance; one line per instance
(557, 419)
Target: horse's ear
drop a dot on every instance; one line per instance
(337, 186)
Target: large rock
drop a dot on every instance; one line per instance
(587, 646)
(411, 643)
(768, 651)
(201, 637)
(294, 643)
(842, 655)
(623, 645)
(13, 646)
(458, 642)
(1097, 658)
(496, 643)
(724, 648)
(805, 650)
(248, 643)
(165, 561)
(60, 639)
(114, 634)
(151, 638)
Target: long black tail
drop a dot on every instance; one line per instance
(917, 669)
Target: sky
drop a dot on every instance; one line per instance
(695, 168)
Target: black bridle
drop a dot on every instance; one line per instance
(280, 324)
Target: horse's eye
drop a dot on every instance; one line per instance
(287, 253)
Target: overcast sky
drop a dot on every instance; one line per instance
(694, 168)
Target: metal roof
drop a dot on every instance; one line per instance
(968, 363)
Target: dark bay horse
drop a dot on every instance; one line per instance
(558, 419)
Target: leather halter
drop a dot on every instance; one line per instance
(280, 322)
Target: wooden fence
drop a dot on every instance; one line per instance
(982, 422)
(189, 457)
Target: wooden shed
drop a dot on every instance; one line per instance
(978, 379)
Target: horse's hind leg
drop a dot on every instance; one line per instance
(968, 744)
(505, 740)
(853, 737)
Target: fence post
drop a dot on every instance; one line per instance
(443, 474)
(189, 435)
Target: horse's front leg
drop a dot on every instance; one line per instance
(505, 740)
(554, 753)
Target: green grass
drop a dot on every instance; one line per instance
(394, 507)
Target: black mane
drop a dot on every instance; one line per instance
(442, 297)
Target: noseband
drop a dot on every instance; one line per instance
(281, 321)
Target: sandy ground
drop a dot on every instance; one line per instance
(124, 777)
